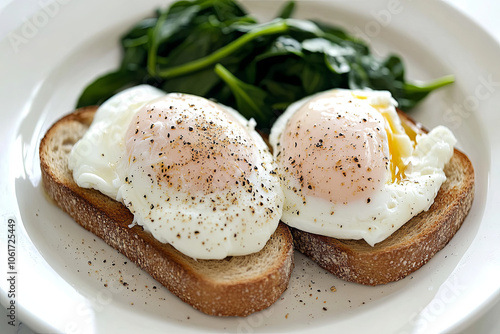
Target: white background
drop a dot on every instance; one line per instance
(484, 12)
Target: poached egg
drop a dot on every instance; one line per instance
(194, 173)
(348, 168)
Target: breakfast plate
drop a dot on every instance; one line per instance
(67, 280)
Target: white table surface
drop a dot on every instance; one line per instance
(484, 12)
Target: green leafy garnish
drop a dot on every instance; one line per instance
(250, 100)
(215, 49)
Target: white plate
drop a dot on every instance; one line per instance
(70, 281)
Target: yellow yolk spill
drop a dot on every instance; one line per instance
(397, 166)
(411, 130)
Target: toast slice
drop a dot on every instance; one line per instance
(412, 245)
(234, 286)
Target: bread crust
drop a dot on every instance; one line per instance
(411, 246)
(235, 286)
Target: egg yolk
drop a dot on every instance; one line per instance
(397, 165)
(398, 147)
(185, 142)
(337, 148)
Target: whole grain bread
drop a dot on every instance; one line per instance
(234, 286)
(412, 245)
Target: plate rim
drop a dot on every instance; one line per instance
(497, 294)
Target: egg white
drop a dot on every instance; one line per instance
(93, 159)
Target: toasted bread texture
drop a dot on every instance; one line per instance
(235, 286)
(411, 246)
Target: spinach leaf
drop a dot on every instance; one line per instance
(250, 100)
(108, 85)
(270, 28)
(215, 49)
(169, 24)
(287, 10)
(417, 91)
